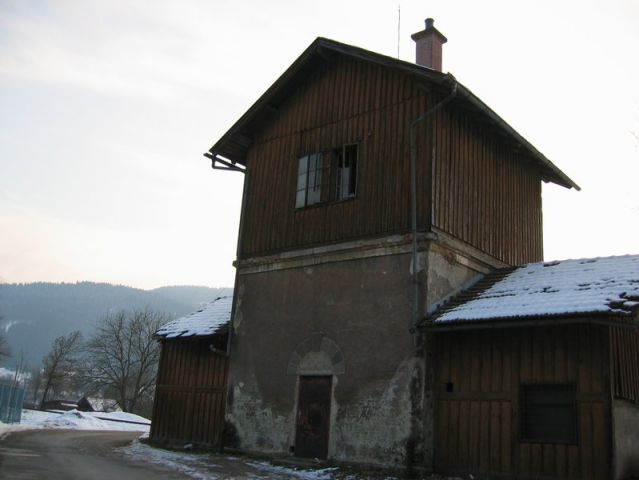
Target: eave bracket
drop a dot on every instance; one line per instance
(220, 163)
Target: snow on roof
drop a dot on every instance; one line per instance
(206, 321)
(608, 285)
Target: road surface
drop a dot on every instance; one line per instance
(73, 454)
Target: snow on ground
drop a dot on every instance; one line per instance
(202, 466)
(210, 466)
(198, 466)
(75, 420)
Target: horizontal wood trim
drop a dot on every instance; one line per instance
(191, 389)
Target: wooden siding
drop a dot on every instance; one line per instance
(624, 351)
(345, 102)
(190, 394)
(477, 426)
(484, 193)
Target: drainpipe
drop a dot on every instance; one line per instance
(231, 166)
(413, 197)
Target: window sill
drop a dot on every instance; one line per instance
(326, 204)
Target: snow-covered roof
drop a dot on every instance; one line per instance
(606, 285)
(206, 321)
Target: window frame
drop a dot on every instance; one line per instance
(327, 190)
(318, 187)
(529, 437)
(338, 196)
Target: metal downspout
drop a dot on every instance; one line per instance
(238, 255)
(230, 166)
(413, 191)
(238, 251)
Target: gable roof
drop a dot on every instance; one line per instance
(604, 285)
(236, 142)
(208, 321)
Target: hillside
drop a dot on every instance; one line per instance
(33, 314)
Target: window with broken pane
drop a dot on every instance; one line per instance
(346, 172)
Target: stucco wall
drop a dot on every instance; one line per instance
(363, 307)
(626, 439)
(349, 319)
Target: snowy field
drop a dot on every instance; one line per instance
(34, 419)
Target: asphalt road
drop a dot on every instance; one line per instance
(73, 454)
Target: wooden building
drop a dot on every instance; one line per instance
(536, 372)
(190, 393)
(375, 190)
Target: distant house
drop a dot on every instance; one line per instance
(65, 405)
(537, 372)
(191, 385)
(375, 190)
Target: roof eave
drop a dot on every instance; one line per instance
(319, 47)
(601, 318)
(234, 144)
(555, 175)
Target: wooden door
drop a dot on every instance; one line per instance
(313, 417)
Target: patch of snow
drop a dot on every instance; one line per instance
(597, 285)
(124, 416)
(219, 466)
(201, 323)
(73, 419)
(302, 474)
(194, 465)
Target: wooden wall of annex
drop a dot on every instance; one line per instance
(190, 393)
(478, 424)
(624, 346)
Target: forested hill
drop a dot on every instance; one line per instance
(33, 314)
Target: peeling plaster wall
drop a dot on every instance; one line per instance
(349, 319)
(374, 426)
(447, 271)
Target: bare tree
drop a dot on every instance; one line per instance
(122, 356)
(4, 347)
(35, 384)
(20, 374)
(60, 361)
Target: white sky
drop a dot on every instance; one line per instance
(107, 106)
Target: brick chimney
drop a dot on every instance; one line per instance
(428, 46)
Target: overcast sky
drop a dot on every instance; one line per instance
(106, 107)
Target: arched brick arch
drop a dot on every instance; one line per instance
(317, 355)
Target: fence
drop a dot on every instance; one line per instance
(11, 398)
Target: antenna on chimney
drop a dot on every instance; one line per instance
(399, 21)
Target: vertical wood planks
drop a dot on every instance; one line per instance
(484, 194)
(190, 394)
(478, 423)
